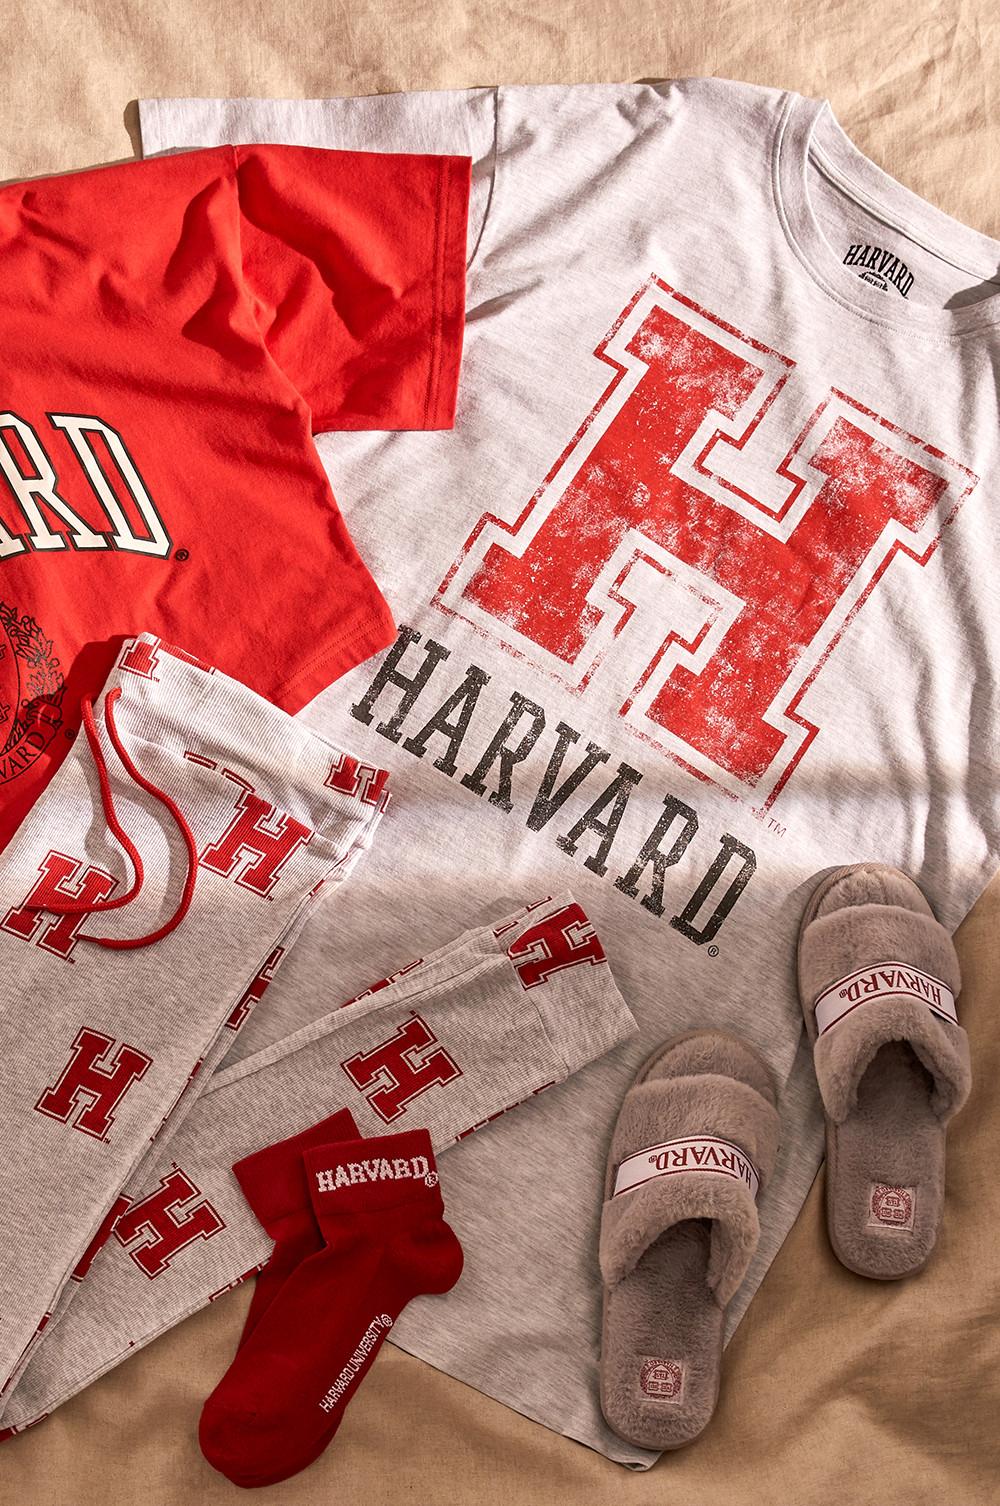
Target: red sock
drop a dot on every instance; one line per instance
(274, 1184)
(381, 1216)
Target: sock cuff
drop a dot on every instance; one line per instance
(367, 1175)
(274, 1180)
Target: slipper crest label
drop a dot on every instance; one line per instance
(661, 1380)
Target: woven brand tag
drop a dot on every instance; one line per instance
(891, 1207)
(660, 1379)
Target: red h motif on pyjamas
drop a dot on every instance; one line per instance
(94, 1081)
(58, 934)
(562, 940)
(401, 1068)
(260, 834)
(171, 1219)
(349, 777)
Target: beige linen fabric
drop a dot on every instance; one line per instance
(833, 1386)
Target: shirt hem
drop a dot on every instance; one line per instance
(449, 293)
(375, 631)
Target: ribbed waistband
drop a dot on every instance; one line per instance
(176, 702)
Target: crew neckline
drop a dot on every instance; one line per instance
(809, 137)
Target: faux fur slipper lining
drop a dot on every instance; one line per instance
(877, 979)
(696, 1133)
(710, 1104)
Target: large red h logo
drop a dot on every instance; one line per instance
(565, 939)
(171, 1219)
(258, 842)
(98, 1074)
(693, 498)
(401, 1068)
(59, 934)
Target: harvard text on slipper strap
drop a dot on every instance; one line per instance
(886, 980)
(696, 1153)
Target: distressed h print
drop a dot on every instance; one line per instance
(699, 538)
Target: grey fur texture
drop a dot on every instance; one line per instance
(843, 1055)
(890, 1073)
(674, 1250)
(710, 1104)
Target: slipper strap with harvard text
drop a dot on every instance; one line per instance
(878, 979)
(695, 1140)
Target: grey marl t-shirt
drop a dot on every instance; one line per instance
(698, 599)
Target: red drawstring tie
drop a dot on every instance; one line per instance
(82, 907)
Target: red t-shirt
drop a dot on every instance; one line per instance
(173, 333)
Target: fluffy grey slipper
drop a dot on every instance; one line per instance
(878, 978)
(696, 1137)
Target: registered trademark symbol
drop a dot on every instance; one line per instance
(181, 554)
(713, 951)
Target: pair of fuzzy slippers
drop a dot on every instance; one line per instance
(697, 1136)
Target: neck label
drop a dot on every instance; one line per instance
(880, 267)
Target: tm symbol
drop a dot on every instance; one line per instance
(713, 951)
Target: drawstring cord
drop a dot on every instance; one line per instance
(71, 906)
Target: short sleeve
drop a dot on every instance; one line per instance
(354, 263)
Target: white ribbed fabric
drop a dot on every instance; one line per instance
(449, 1043)
(103, 1050)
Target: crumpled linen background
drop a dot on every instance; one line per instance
(835, 1389)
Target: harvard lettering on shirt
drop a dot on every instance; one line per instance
(175, 332)
(399, 1169)
(699, 599)
(398, 694)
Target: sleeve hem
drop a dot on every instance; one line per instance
(375, 631)
(449, 293)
